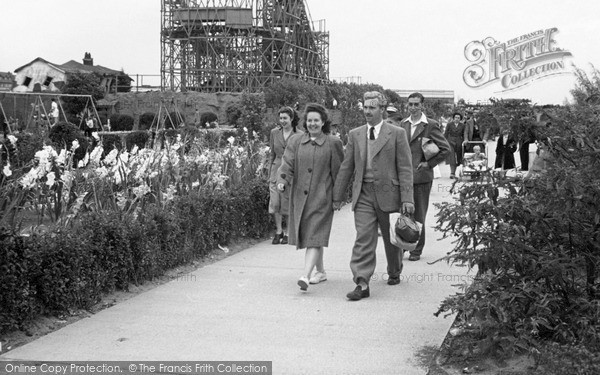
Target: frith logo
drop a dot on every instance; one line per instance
(515, 63)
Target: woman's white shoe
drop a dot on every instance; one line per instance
(318, 277)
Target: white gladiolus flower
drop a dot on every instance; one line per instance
(96, 136)
(231, 140)
(111, 157)
(68, 178)
(6, 170)
(102, 172)
(75, 145)
(245, 129)
(51, 179)
(141, 190)
(62, 157)
(96, 155)
(12, 139)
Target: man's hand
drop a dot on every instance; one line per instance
(408, 208)
(337, 206)
(422, 165)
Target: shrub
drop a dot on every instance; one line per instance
(63, 134)
(17, 297)
(27, 145)
(253, 114)
(535, 244)
(173, 120)
(289, 91)
(121, 122)
(110, 142)
(233, 111)
(146, 120)
(208, 118)
(139, 138)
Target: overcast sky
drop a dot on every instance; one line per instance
(407, 45)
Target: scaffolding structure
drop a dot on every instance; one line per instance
(236, 45)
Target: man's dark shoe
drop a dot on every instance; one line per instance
(358, 293)
(277, 238)
(414, 257)
(284, 240)
(394, 280)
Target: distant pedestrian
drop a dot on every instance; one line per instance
(309, 167)
(505, 151)
(54, 112)
(278, 200)
(454, 134)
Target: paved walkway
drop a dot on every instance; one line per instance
(248, 307)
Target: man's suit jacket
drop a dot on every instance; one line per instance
(469, 125)
(432, 131)
(392, 167)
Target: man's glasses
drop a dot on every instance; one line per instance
(414, 104)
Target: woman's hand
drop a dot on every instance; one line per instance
(281, 187)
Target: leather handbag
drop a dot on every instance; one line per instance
(405, 231)
(430, 149)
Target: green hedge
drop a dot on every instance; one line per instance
(71, 268)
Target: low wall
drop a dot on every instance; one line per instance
(190, 104)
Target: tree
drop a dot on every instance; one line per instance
(80, 84)
(587, 89)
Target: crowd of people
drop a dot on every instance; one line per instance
(390, 172)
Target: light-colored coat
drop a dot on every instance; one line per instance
(431, 130)
(392, 167)
(309, 169)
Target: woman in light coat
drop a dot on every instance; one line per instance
(310, 165)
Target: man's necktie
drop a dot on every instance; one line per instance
(372, 133)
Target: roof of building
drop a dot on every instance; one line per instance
(6, 76)
(73, 66)
(56, 66)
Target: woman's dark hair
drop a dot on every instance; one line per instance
(293, 115)
(314, 107)
(457, 113)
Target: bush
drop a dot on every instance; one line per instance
(253, 114)
(208, 119)
(71, 267)
(110, 142)
(63, 134)
(173, 121)
(17, 297)
(27, 145)
(233, 111)
(139, 138)
(121, 123)
(146, 120)
(536, 244)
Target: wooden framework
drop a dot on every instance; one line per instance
(236, 45)
(37, 115)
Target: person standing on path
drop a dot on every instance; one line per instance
(279, 201)
(310, 164)
(454, 134)
(505, 151)
(378, 156)
(418, 127)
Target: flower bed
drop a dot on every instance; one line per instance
(121, 218)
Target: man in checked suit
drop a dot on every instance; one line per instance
(378, 156)
(417, 127)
